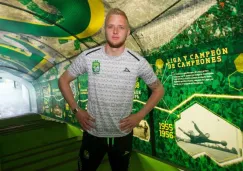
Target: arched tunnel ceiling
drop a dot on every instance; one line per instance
(35, 35)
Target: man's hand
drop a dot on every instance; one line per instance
(85, 120)
(127, 124)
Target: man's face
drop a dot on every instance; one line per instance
(116, 31)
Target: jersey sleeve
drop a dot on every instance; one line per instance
(146, 72)
(78, 66)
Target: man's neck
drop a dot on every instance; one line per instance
(114, 51)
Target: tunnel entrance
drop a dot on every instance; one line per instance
(14, 98)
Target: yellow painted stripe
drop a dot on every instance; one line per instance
(96, 20)
(27, 22)
(36, 47)
(30, 72)
(28, 54)
(221, 96)
(40, 65)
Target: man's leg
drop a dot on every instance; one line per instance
(91, 152)
(119, 152)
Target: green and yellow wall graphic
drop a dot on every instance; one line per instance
(34, 33)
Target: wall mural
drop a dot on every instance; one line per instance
(200, 118)
(36, 35)
(195, 48)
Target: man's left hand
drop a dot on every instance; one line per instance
(127, 124)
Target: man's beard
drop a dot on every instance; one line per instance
(115, 45)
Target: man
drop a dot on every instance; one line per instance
(112, 72)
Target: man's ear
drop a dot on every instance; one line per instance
(128, 32)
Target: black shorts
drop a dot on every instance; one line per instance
(93, 149)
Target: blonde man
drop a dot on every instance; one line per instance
(112, 72)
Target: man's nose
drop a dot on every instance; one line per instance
(115, 30)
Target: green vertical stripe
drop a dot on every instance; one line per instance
(113, 139)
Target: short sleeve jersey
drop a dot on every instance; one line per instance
(111, 83)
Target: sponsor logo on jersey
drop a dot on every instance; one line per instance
(126, 70)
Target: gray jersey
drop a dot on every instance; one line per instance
(111, 83)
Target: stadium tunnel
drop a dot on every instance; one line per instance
(39, 39)
(41, 36)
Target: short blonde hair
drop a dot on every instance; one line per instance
(116, 11)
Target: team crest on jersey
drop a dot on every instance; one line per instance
(96, 67)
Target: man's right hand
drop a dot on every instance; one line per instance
(85, 120)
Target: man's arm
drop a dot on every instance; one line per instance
(157, 93)
(132, 121)
(64, 85)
